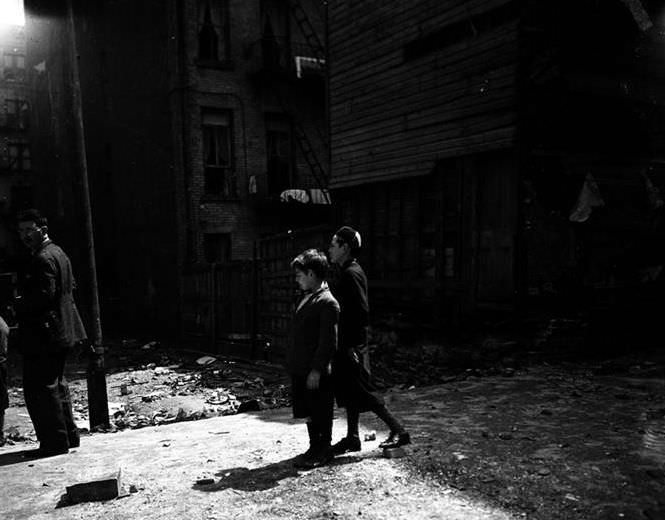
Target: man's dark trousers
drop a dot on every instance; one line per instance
(48, 400)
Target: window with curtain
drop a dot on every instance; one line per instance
(213, 35)
(217, 133)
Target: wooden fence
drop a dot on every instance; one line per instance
(244, 308)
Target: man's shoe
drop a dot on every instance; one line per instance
(41, 453)
(346, 445)
(319, 457)
(395, 440)
(74, 440)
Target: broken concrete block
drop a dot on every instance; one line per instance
(105, 488)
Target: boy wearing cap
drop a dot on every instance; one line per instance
(351, 371)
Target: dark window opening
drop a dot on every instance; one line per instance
(217, 247)
(218, 154)
(18, 157)
(275, 37)
(213, 33)
(16, 113)
(14, 66)
(280, 154)
(208, 40)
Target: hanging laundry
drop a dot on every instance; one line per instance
(319, 196)
(588, 199)
(294, 195)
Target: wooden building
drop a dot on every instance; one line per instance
(462, 133)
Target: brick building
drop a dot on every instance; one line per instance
(16, 172)
(201, 119)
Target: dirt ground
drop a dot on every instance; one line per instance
(547, 440)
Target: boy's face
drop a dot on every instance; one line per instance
(306, 280)
(336, 251)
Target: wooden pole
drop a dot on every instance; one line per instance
(97, 393)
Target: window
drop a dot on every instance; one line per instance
(14, 66)
(275, 38)
(217, 247)
(218, 154)
(16, 111)
(214, 40)
(18, 156)
(280, 153)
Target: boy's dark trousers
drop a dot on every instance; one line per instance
(48, 400)
(320, 424)
(317, 405)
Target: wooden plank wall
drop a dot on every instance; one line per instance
(219, 305)
(405, 94)
(400, 222)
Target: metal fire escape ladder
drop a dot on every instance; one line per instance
(308, 31)
(305, 144)
(320, 175)
(304, 141)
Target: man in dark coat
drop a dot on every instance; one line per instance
(49, 325)
(309, 356)
(351, 369)
(4, 397)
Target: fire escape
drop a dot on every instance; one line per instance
(290, 70)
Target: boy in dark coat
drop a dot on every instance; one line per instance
(49, 325)
(309, 356)
(351, 370)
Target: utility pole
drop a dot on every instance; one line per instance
(98, 408)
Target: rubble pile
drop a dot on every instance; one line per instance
(184, 386)
(424, 363)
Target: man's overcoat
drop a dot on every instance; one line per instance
(48, 317)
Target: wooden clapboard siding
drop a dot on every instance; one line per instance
(463, 108)
(397, 21)
(394, 114)
(440, 75)
(496, 60)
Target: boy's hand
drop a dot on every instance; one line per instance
(313, 379)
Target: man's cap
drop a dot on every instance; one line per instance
(350, 236)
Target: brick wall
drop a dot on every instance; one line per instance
(232, 86)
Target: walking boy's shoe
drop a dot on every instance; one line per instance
(346, 445)
(395, 440)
